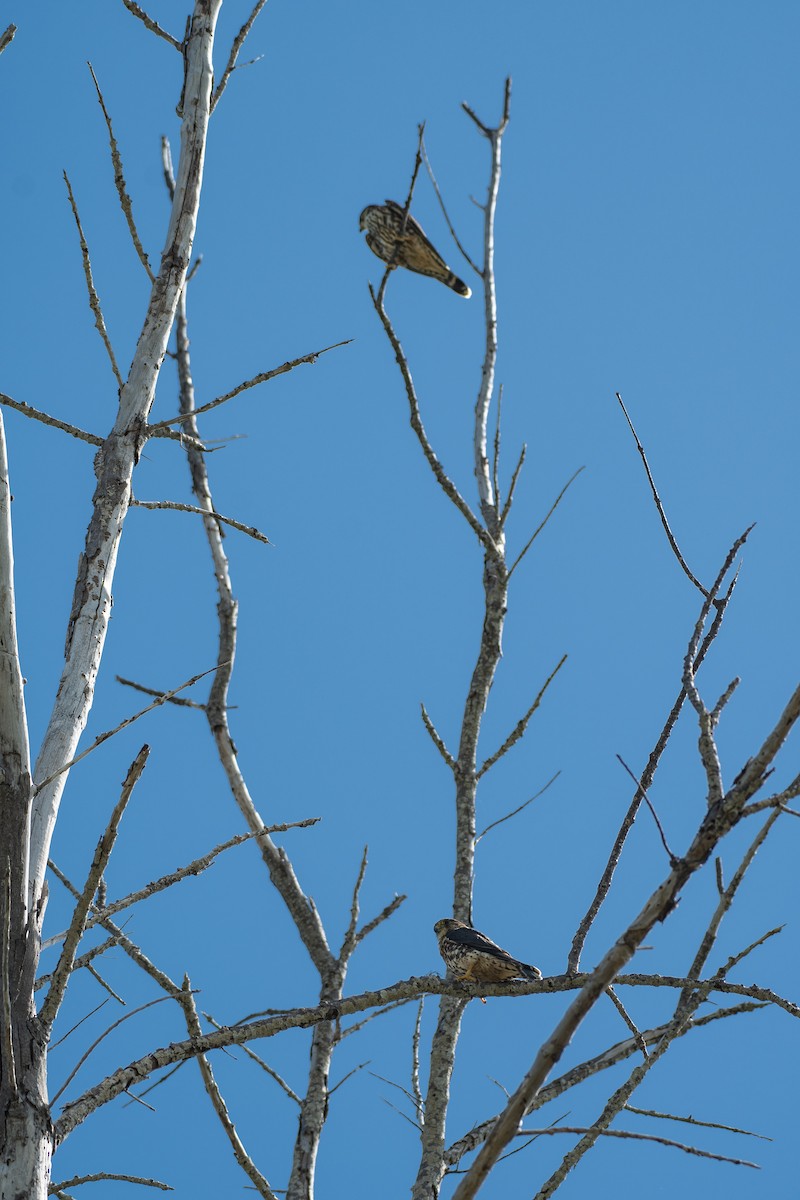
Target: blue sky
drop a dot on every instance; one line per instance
(646, 243)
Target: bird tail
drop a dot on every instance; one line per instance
(529, 972)
(458, 285)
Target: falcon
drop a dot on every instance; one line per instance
(472, 957)
(398, 239)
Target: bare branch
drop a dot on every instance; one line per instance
(623, 1012)
(708, 750)
(263, 377)
(238, 42)
(150, 24)
(442, 478)
(217, 1103)
(641, 1137)
(382, 916)
(604, 884)
(74, 934)
(450, 226)
(726, 896)
(659, 505)
(457, 993)
(301, 909)
(672, 857)
(601, 1062)
(619, 1098)
(193, 868)
(28, 410)
(98, 741)
(542, 524)
(119, 182)
(512, 487)
(91, 603)
(349, 942)
(722, 816)
(79, 964)
(649, 1112)
(78, 1024)
(521, 725)
(94, 299)
(416, 1091)
(126, 1017)
(496, 451)
(172, 505)
(76, 1180)
(514, 812)
(273, 1074)
(180, 701)
(437, 740)
(716, 711)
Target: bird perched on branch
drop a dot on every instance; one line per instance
(472, 957)
(398, 239)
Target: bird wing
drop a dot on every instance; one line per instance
(414, 227)
(474, 940)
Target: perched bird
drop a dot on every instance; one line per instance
(399, 240)
(474, 958)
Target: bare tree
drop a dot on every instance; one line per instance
(30, 798)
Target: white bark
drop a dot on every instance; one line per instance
(119, 454)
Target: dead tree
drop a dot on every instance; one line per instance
(30, 797)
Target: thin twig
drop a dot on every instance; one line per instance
(649, 1112)
(442, 478)
(604, 884)
(512, 487)
(623, 1012)
(180, 701)
(79, 964)
(437, 740)
(716, 711)
(659, 505)
(273, 1074)
(496, 450)
(453, 233)
(382, 916)
(349, 940)
(641, 1137)
(726, 897)
(77, 925)
(98, 741)
(126, 1017)
(263, 377)
(673, 858)
(379, 1012)
(152, 25)
(238, 42)
(77, 1025)
(413, 184)
(94, 299)
(174, 506)
(521, 725)
(196, 867)
(541, 524)
(349, 1075)
(514, 812)
(119, 182)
